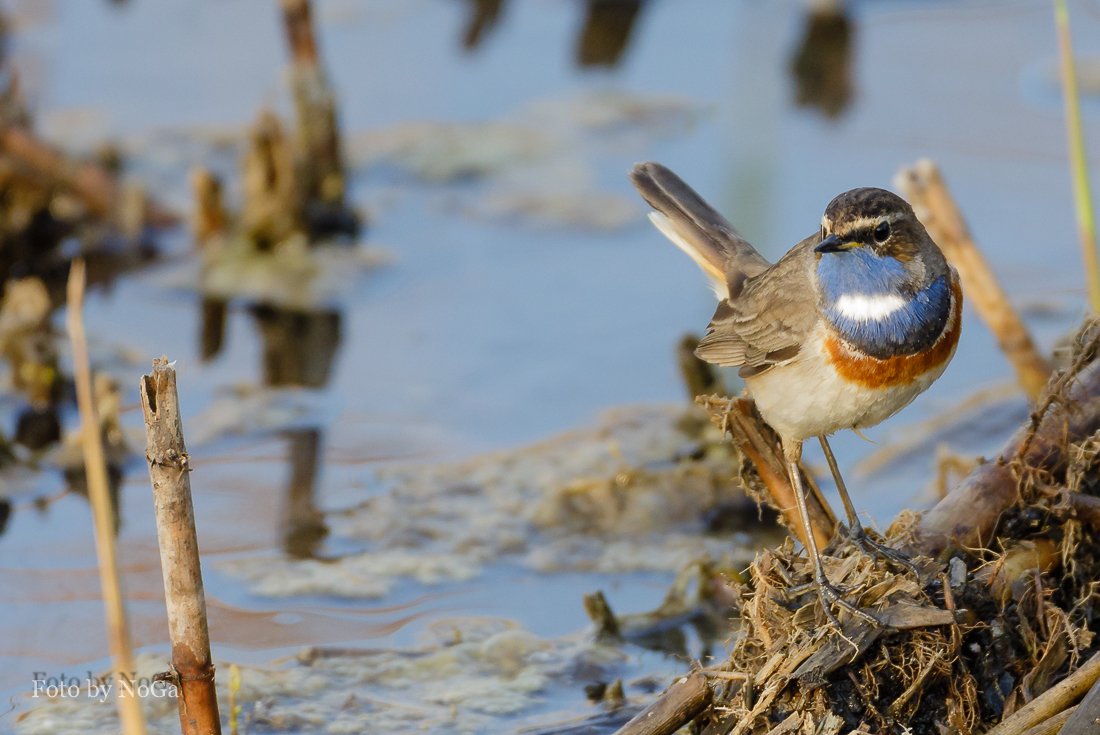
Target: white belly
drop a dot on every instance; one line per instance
(806, 398)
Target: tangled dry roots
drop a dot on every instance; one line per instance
(980, 634)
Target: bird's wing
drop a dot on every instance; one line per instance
(697, 229)
(770, 321)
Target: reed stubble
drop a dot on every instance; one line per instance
(169, 470)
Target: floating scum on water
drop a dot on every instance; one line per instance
(1005, 607)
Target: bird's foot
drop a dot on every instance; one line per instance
(828, 595)
(869, 546)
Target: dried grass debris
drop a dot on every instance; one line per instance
(993, 632)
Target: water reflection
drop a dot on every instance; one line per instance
(299, 346)
(606, 32)
(303, 526)
(53, 206)
(38, 428)
(30, 345)
(274, 256)
(484, 15)
(108, 400)
(214, 314)
(822, 65)
(76, 480)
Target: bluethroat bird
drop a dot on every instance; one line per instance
(850, 326)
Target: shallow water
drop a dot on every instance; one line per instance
(501, 320)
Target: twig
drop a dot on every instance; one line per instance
(868, 702)
(1082, 191)
(95, 467)
(679, 704)
(924, 187)
(1052, 701)
(169, 471)
(1084, 719)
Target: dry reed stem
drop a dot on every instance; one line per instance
(1053, 725)
(169, 470)
(1082, 191)
(679, 705)
(320, 169)
(757, 442)
(924, 187)
(95, 466)
(298, 22)
(1051, 702)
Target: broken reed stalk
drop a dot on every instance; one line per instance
(210, 217)
(95, 467)
(924, 187)
(1078, 159)
(320, 167)
(1052, 701)
(169, 471)
(677, 706)
(298, 21)
(92, 185)
(968, 516)
(756, 441)
(700, 377)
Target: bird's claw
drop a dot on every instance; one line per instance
(881, 551)
(828, 595)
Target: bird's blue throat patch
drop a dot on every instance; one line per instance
(913, 327)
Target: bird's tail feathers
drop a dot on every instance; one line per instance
(697, 228)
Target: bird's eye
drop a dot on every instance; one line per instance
(882, 232)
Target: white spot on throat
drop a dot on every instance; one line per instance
(869, 308)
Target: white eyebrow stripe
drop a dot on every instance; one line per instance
(856, 224)
(864, 308)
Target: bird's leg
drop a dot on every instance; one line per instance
(827, 594)
(856, 532)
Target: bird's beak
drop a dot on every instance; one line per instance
(832, 244)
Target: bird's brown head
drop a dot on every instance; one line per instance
(875, 219)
